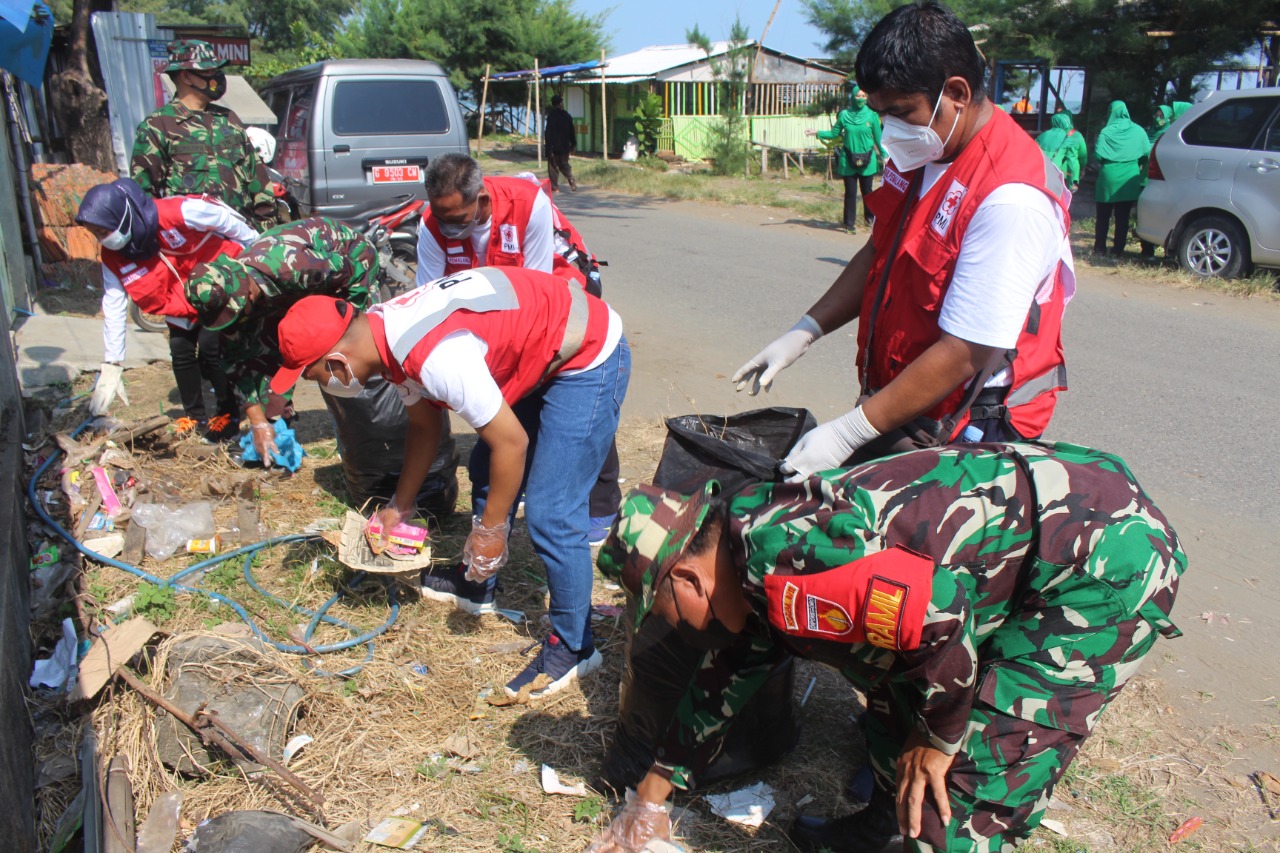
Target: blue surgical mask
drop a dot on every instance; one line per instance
(119, 238)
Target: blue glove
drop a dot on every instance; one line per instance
(288, 453)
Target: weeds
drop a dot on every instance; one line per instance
(157, 603)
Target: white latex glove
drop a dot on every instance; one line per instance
(635, 826)
(264, 441)
(783, 352)
(110, 385)
(486, 549)
(828, 445)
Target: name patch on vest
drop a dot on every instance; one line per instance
(173, 238)
(948, 208)
(457, 260)
(895, 179)
(510, 239)
(132, 273)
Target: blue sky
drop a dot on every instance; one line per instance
(634, 24)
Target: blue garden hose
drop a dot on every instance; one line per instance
(248, 552)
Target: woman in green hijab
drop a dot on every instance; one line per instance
(858, 158)
(1164, 115)
(1065, 146)
(1121, 150)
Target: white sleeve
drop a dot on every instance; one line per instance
(212, 215)
(430, 254)
(115, 313)
(539, 236)
(455, 373)
(1012, 244)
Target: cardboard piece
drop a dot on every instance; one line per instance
(109, 652)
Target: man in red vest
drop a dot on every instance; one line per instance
(960, 291)
(539, 369)
(474, 221)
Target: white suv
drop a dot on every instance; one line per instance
(1213, 185)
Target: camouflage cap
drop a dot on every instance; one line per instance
(654, 527)
(193, 55)
(219, 291)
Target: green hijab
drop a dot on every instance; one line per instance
(1180, 107)
(1122, 140)
(858, 106)
(1054, 138)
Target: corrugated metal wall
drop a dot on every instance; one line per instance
(121, 39)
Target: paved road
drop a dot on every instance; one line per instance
(1182, 383)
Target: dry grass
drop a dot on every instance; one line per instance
(379, 737)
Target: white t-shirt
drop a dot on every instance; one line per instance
(1011, 249)
(539, 244)
(455, 373)
(197, 214)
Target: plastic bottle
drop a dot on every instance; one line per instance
(161, 826)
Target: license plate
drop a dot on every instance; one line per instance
(396, 174)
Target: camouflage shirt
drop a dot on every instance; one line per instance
(180, 151)
(1036, 558)
(286, 263)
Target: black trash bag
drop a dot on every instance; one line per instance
(250, 832)
(734, 449)
(371, 430)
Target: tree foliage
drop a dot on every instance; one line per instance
(1110, 38)
(275, 24)
(730, 137)
(465, 35)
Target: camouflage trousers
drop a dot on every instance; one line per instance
(1001, 779)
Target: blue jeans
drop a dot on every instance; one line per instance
(571, 421)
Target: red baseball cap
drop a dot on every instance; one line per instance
(309, 332)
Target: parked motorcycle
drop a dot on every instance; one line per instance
(393, 231)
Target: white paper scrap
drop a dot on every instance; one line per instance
(552, 785)
(749, 806)
(291, 748)
(56, 670)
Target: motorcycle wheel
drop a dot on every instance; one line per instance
(146, 322)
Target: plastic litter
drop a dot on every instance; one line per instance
(551, 784)
(55, 671)
(288, 453)
(171, 529)
(161, 826)
(746, 806)
(397, 833)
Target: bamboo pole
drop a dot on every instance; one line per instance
(604, 111)
(484, 97)
(537, 108)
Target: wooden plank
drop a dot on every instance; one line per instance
(117, 645)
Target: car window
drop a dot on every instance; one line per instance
(1272, 141)
(299, 118)
(1234, 124)
(388, 107)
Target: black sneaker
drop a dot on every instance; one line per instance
(559, 663)
(874, 829)
(449, 584)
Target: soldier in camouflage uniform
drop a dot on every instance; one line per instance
(246, 297)
(989, 600)
(191, 146)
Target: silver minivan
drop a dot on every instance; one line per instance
(1213, 185)
(354, 133)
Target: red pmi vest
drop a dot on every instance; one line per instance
(529, 320)
(512, 200)
(155, 284)
(907, 321)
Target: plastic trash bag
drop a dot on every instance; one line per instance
(371, 429)
(734, 449)
(170, 529)
(288, 453)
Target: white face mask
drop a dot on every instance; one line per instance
(119, 238)
(910, 146)
(333, 387)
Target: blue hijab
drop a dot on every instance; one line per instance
(122, 205)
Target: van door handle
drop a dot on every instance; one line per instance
(342, 149)
(1264, 165)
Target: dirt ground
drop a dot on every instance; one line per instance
(379, 736)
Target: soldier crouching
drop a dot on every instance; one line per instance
(990, 601)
